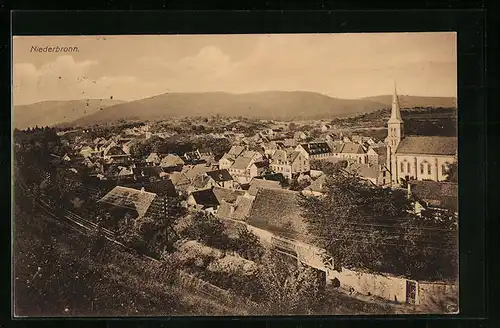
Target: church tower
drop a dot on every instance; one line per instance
(394, 135)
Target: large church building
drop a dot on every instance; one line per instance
(416, 157)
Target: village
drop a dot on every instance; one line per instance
(254, 176)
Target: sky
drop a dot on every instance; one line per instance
(135, 67)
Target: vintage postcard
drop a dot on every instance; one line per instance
(235, 175)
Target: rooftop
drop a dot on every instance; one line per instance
(129, 198)
(279, 212)
(428, 145)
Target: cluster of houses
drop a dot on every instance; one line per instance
(247, 186)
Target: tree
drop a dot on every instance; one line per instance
(452, 172)
(328, 167)
(248, 245)
(296, 185)
(347, 219)
(208, 229)
(368, 227)
(288, 289)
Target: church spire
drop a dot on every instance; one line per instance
(395, 112)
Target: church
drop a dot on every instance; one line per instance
(416, 157)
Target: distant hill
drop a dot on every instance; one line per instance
(267, 105)
(50, 113)
(416, 101)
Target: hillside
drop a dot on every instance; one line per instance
(416, 101)
(269, 105)
(49, 113)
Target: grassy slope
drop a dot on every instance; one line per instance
(73, 281)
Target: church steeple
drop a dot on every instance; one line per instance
(394, 135)
(395, 111)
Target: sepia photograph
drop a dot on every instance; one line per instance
(235, 175)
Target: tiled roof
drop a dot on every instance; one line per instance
(261, 164)
(363, 170)
(114, 151)
(129, 198)
(315, 148)
(171, 160)
(241, 163)
(200, 181)
(279, 212)
(179, 178)
(352, 148)
(235, 151)
(163, 187)
(227, 195)
(193, 171)
(149, 171)
(318, 184)
(336, 147)
(220, 175)
(428, 145)
(257, 184)
(272, 177)
(205, 197)
(242, 208)
(152, 157)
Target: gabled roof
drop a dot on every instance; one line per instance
(236, 151)
(249, 154)
(428, 145)
(149, 171)
(261, 164)
(228, 157)
(220, 175)
(162, 187)
(318, 184)
(352, 148)
(315, 148)
(279, 177)
(205, 197)
(152, 157)
(363, 170)
(179, 179)
(125, 171)
(129, 198)
(242, 208)
(257, 184)
(336, 147)
(114, 151)
(171, 160)
(192, 172)
(227, 195)
(241, 163)
(200, 181)
(279, 212)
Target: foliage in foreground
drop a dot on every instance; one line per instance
(370, 228)
(61, 273)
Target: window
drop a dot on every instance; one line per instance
(443, 169)
(402, 167)
(429, 170)
(408, 167)
(421, 168)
